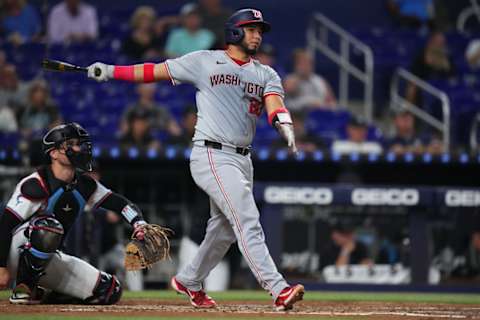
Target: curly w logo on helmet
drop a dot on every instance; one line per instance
(257, 14)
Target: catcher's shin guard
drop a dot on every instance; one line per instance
(45, 235)
(30, 269)
(107, 291)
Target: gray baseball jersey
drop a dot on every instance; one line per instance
(230, 96)
(229, 99)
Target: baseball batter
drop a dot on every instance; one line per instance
(43, 207)
(232, 91)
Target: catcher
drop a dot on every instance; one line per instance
(38, 216)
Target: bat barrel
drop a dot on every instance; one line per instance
(55, 65)
(60, 66)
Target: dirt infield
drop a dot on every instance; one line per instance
(247, 309)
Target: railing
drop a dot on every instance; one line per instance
(467, 13)
(397, 100)
(317, 39)
(474, 133)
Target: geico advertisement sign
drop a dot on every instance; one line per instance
(291, 195)
(462, 198)
(382, 197)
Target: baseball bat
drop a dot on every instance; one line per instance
(61, 66)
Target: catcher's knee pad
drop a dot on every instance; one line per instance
(44, 234)
(107, 291)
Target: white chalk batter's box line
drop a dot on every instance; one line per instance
(235, 309)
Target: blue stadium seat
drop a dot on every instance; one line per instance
(9, 140)
(325, 123)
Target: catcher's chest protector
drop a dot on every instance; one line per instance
(66, 201)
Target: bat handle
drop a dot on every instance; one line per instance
(97, 72)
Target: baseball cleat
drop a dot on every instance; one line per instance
(288, 297)
(198, 299)
(23, 295)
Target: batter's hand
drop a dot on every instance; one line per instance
(105, 74)
(286, 131)
(4, 278)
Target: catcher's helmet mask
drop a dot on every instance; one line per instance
(234, 26)
(57, 136)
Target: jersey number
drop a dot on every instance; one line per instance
(255, 107)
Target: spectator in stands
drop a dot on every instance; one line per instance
(344, 249)
(8, 122)
(303, 88)
(356, 140)
(435, 145)
(20, 22)
(142, 43)
(472, 53)
(161, 29)
(3, 59)
(389, 247)
(190, 36)
(304, 140)
(267, 56)
(13, 92)
(405, 138)
(189, 120)
(139, 134)
(40, 113)
(159, 116)
(214, 16)
(72, 21)
(412, 13)
(433, 62)
(473, 253)
(460, 258)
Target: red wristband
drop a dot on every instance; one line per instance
(148, 75)
(274, 113)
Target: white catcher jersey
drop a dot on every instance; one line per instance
(23, 208)
(229, 96)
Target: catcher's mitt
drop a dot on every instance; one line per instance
(154, 247)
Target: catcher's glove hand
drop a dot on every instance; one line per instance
(149, 245)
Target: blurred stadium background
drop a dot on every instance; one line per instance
(384, 192)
